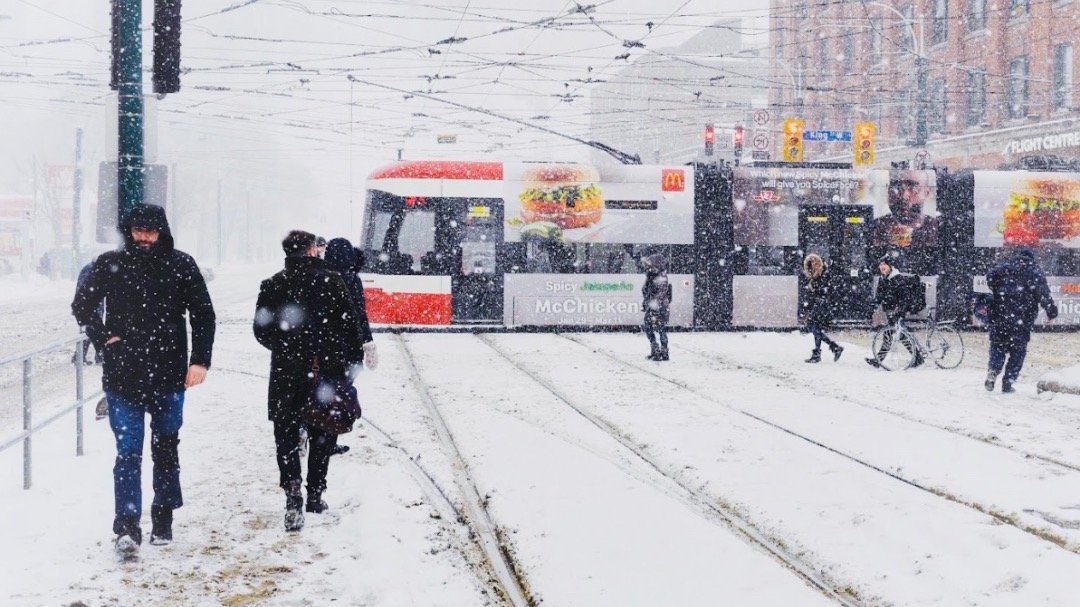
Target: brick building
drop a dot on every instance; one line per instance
(974, 84)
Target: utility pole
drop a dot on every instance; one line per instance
(920, 101)
(219, 223)
(128, 17)
(76, 211)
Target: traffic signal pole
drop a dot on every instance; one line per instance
(128, 56)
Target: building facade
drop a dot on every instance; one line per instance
(952, 83)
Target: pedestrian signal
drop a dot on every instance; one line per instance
(864, 144)
(737, 140)
(710, 139)
(793, 140)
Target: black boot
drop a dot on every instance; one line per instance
(315, 502)
(815, 356)
(653, 354)
(294, 507)
(836, 350)
(161, 532)
(661, 355)
(128, 540)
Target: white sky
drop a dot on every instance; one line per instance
(266, 108)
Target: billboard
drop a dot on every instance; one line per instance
(1064, 289)
(1023, 208)
(766, 203)
(573, 203)
(588, 299)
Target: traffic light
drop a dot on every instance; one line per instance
(793, 139)
(864, 144)
(710, 139)
(736, 142)
(166, 46)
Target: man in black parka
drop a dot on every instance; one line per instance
(1017, 287)
(304, 313)
(147, 287)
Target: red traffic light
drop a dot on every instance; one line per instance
(737, 136)
(710, 133)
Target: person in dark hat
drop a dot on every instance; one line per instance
(656, 303)
(147, 286)
(898, 294)
(1017, 289)
(820, 301)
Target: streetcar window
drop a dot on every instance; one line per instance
(403, 238)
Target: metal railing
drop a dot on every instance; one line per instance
(29, 428)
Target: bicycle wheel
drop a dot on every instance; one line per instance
(893, 348)
(945, 346)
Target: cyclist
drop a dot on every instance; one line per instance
(898, 294)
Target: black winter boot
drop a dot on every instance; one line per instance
(315, 502)
(815, 356)
(161, 532)
(991, 379)
(661, 355)
(836, 350)
(653, 354)
(294, 507)
(128, 540)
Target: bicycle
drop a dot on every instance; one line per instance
(940, 342)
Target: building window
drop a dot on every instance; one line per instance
(976, 98)
(876, 36)
(906, 27)
(823, 57)
(1018, 8)
(849, 52)
(1017, 90)
(804, 9)
(938, 110)
(1063, 76)
(939, 31)
(976, 15)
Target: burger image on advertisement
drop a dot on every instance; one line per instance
(563, 194)
(1044, 209)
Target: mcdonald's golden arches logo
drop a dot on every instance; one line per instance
(672, 180)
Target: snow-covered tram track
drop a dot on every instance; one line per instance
(1041, 532)
(673, 486)
(506, 574)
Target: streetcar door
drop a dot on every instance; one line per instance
(475, 231)
(840, 234)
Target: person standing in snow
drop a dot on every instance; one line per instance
(147, 286)
(819, 303)
(306, 317)
(1017, 289)
(84, 274)
(898, 294)
(656, 302)
(347, 261)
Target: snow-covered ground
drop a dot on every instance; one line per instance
(611, 480)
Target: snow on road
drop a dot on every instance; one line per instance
(912, 488)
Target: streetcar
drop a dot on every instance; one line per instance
(525, 245)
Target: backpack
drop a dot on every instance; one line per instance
(918, 296)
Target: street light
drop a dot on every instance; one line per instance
(920, 71)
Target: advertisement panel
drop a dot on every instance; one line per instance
(767, 200)
(1066, 293)
(1024, 208)
(571, 203)
(588, 299)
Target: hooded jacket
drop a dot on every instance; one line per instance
(1018, 287)
(344, 259)
(146, 295)
(656, 292)
(818, 298)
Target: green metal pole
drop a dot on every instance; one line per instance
(129, 60)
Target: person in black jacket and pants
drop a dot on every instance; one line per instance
(147, 287)
(819, 301)
(656, 302)
(897, 293)
(306, 317)
(1017, 288)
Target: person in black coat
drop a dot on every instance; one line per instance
(1017, 289)
(898, 295)
(84, 275)
(656, 303)
(347, 261)
(147, 287)
(305, 316)
(818, 298)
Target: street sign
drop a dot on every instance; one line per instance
(761, 141)
(761, 117)
(760, 155)
(826, 135)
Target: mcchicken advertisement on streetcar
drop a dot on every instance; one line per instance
(569, 202)
(588, 299)
(1021, 208)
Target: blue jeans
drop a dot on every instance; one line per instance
(127, 417)
(1013, 349)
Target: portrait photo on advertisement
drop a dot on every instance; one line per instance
(906, 215)
(1022, 208)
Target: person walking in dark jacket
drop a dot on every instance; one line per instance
(305, 316)
(1017, 289)
(898, 295)
(656, 302)
(84, 275)
(147, 287)
(818, 298)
